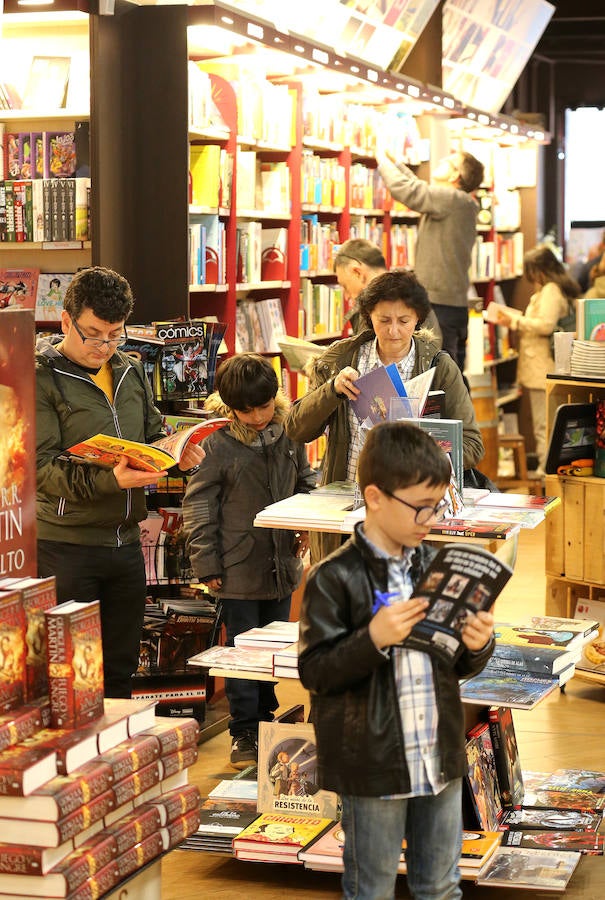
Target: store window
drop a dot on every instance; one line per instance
(584, 196)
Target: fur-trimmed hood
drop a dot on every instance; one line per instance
(239, 430)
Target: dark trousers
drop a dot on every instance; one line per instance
(115, 577)
(251, 702)
(453, 322)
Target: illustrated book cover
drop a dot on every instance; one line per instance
(18, 288)
(506, 754)
(287, 771)
(528, 818)
(529, 869)
(519, 690)
(482, 779)
(447, 434)
(106, 450)
(75, 663)
(536, 637)
(593, 652)
(50, 294)
(278, 837)
(13, 651)
(587, 842)
(546, 661)
(37, 596)
(17, 444)
(376, 390)
(590, 319)
(461, 580)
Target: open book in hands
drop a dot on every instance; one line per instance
(383, 384)
(106, 450)
(461, 580)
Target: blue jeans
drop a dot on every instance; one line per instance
(374, 830)
(251, 702)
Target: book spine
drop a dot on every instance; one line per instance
(136, 827)
(20, 726)
(179, 760)
(137, 783)
(182, 734)
(178, 802)
(132, 755)
(86, 861)
(176, 832)
(18, 859)
(99, 884)
(11, 235)
(12, 651)
(19, 211)
(47, 209)
(85, 816)
(140, 854)
(93, 779)
(3, 237)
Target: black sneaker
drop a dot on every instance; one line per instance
(244, 751)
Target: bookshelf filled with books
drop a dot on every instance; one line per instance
(44, 158)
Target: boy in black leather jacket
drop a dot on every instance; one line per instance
(389, 721)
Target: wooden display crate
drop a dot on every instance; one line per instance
(576, 529)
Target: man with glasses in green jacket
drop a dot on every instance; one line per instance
(87, 516)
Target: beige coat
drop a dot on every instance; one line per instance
(535, 327)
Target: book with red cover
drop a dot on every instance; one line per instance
(142, 852)
(132, 755)
(19, 724)
(176, 831)
(12, 650)
(506, 752)
(23, 769)
(18, 288)
(74, 747)
(99, 884)
(175, 735)
(122, 718)
(38, 595)
(135, 826)
(44, 833)
(17, 413)
(75, 663)
(587, 842)
(137, 783)
(60, 795)
(23, 859)
(176, 803)
(67, 875)
(177, 761)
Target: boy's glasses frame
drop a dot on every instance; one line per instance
(98, 343)
(424, 514)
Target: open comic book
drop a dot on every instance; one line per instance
(106, 450)
(461, 580)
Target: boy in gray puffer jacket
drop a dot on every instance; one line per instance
(249, 464)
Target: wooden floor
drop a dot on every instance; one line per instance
(565, 730)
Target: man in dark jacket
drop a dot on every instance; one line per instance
(87, 516)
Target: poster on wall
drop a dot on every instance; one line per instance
(486, 45)
(378, 32)
(17, 445)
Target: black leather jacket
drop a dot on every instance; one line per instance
(354, 704)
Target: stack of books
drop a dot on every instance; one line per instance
(90, 788)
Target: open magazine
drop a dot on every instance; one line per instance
(106, 450)
(461, 580)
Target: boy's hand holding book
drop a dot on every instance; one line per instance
(394, 620)
(477, 630)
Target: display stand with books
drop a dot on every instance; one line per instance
(575, 536)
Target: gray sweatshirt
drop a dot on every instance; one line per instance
(446, 232)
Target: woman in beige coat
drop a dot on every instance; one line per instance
(554, 298)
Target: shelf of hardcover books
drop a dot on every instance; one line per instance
(180, 360)
(92, 789)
